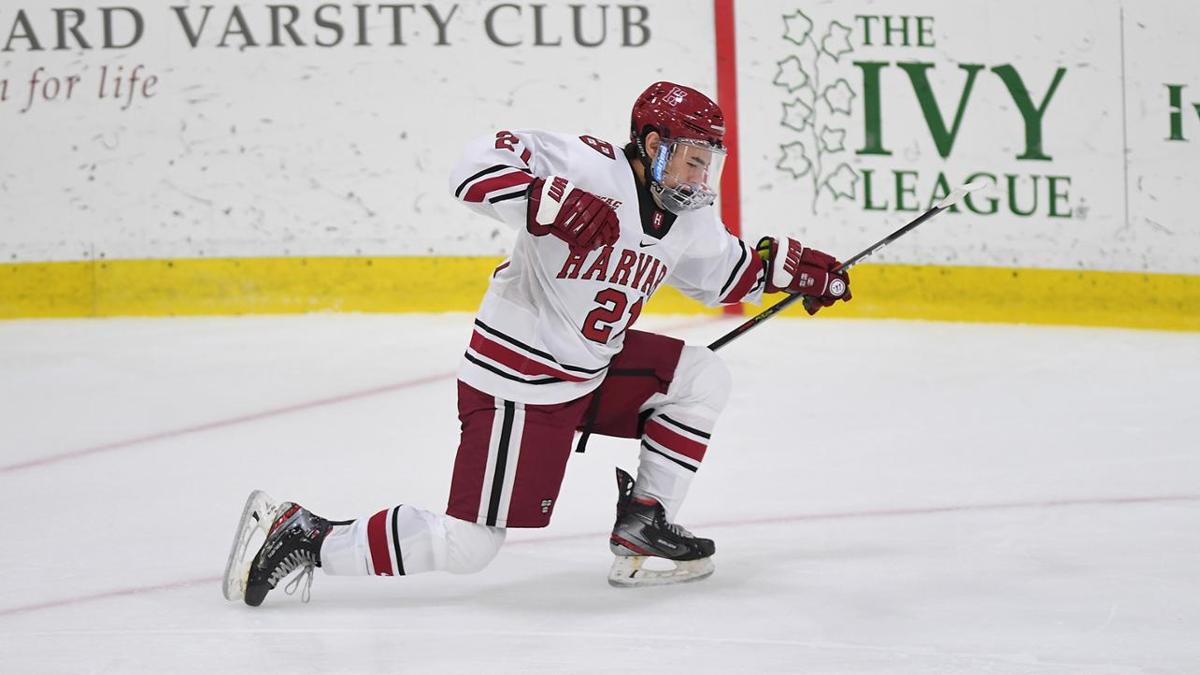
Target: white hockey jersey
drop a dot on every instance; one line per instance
(553, 318)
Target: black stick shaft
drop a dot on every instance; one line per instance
(779, 306)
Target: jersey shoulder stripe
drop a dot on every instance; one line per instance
(492, 179)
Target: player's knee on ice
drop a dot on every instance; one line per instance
(470, 547)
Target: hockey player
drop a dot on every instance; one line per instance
(553, 352)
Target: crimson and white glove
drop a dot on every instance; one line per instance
(576, 216)
(793, 268)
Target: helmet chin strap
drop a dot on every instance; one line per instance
(656, 192)
(643, 155)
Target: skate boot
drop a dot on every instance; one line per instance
(642, 532)
(292, 540)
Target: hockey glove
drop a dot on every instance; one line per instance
(576, 216)
(793, 268)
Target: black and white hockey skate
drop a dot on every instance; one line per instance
(292, 540)
(642, 533)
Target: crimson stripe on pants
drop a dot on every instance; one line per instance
(377, 539)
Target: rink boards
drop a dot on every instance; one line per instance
(291, 285)
(247, 156)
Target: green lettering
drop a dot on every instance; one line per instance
(941, 188)
(872, 107)
(943, 138)
(1056, 196)
(993, 203)
(1011, 179)
(865, 20)
(925, 32)
(906, 189)
(1032, 115)
(1175, 94)
(868, 176)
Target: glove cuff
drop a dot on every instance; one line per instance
(549, 198)
(780, 271)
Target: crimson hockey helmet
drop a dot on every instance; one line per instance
(677, 112)
(687, 166)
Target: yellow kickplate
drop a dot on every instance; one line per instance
(434, 284)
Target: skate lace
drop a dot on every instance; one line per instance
(678, 530)
(290, 562)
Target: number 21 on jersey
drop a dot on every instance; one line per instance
(598, 325)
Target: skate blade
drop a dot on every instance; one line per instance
(257, 516)
(630, 572)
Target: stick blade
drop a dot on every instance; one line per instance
(958, 193)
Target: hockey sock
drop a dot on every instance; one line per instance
(409, 540)
(670, 456)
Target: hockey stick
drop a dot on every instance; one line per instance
(943, 204)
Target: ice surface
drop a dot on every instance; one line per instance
(885, 497)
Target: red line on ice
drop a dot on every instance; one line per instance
(220, 424)
(254, 417)
(174, 585)
(885, 513)
(772, 520)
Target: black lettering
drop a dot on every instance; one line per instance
(397, 31)
(277, 27)
(242, 29)
(361, 10)
(27, 34)
(538, 28)
(138, 26)
(441, 24)
(61, 21)
(322, 22)
(577, 15)
(489, 26)
(193, 36)
(628, 24)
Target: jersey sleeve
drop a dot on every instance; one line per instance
(494, 173)
(720, 269)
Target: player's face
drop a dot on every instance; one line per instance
(684, 173)
(690, 164)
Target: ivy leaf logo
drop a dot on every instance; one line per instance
(836, 41)
(790, 74)
(795, 160)
(839, 96)
(797, 27)
(833, 140)
(807, 72)
(843, 182)
(796, 115)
